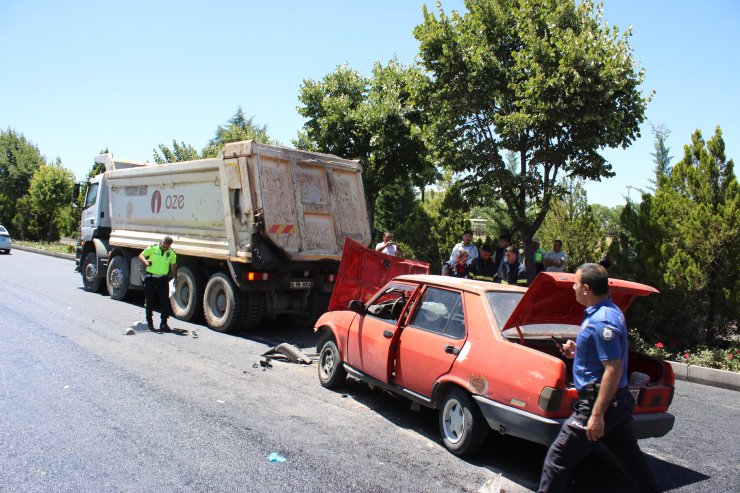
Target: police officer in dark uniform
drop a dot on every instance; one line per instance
(604, 411)
(160, 261)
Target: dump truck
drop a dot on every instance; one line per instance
(258, 230)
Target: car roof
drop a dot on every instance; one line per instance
(470, 285)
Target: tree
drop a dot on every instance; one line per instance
(19, 159)
(661, 156)
(238, 128)
(178, 152)
(683, 240)
(46, 209)
(573, 221)
(547, 80)
(375, 120)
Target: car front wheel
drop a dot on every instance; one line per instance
(331, 372)
(461, 423)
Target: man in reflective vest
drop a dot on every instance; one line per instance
(483, 268)
(160, 261)
(539, 255)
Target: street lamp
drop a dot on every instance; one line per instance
(629, 188)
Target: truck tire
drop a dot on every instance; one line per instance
(90, 280)
(461, 423)
(223, 305)
(187, 303)
(117, 278)
(255, 312)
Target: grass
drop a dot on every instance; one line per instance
(42, 245)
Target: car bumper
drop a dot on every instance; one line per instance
(522, 424)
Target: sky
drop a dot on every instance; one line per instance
(77, 77)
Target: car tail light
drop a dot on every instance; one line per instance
(257, 276)
(659, 397)
(552, 399)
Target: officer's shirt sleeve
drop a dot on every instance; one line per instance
(173, 258)
(148, 251)
(606, 339)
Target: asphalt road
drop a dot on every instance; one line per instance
(84, 407)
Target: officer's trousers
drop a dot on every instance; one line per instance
(157, 289)
(571, 447)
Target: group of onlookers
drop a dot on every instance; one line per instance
(504, 265)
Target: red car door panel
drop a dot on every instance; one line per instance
(430, 343)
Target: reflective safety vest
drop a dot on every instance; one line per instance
(161, 261)
(538, 254)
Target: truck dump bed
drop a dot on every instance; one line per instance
(302, 202)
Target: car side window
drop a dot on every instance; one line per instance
(440, 311)
(389, 304)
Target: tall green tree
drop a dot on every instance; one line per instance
(573, 221)
(546, 79)
(239, 127)
(46, 210)
(683, 240)
(374, 119)
(19, 159)
(178, 152)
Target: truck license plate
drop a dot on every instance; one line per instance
(635, 394)
(301, 284)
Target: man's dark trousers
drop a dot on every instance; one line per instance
(572, 446)
(157, 288)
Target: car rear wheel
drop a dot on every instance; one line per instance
(331, 372)
(461, 423)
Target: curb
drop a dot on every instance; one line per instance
(707, 376)
(67, 256)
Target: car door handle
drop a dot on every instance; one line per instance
(387, 334)
(452, 349)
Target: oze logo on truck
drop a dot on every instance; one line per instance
(176, 201)
(156, 201)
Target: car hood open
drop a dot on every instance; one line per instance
(551, 300)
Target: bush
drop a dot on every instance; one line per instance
(723, 359)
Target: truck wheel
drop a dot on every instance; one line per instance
(118, 281)
(331, 372)
(222, 304)
(255, 309)
(187, 303)
(461, 423)
(90, 280)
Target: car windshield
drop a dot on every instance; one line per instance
(503, 303)
(3, 231)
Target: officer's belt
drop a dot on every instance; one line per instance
(591, 390)
(156, 276)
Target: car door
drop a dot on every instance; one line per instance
(432, 339)
(371, 336)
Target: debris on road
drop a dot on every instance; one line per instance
(265, 363)
(287, 352)
(493, 485)
(275, 457)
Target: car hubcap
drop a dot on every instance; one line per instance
(327, 363)
(184, 294)
(90, 272)
(221, 303)
(454, 421)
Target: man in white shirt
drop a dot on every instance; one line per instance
(387, 246)
(555, 260)
(466, 244)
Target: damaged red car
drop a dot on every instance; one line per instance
(483, 354)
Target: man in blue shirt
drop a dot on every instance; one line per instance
(604, 411)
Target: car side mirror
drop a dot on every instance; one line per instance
(357, 306)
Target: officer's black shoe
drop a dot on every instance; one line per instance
(165, 328)
(151, 327)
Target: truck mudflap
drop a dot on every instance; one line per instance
(363, 271)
